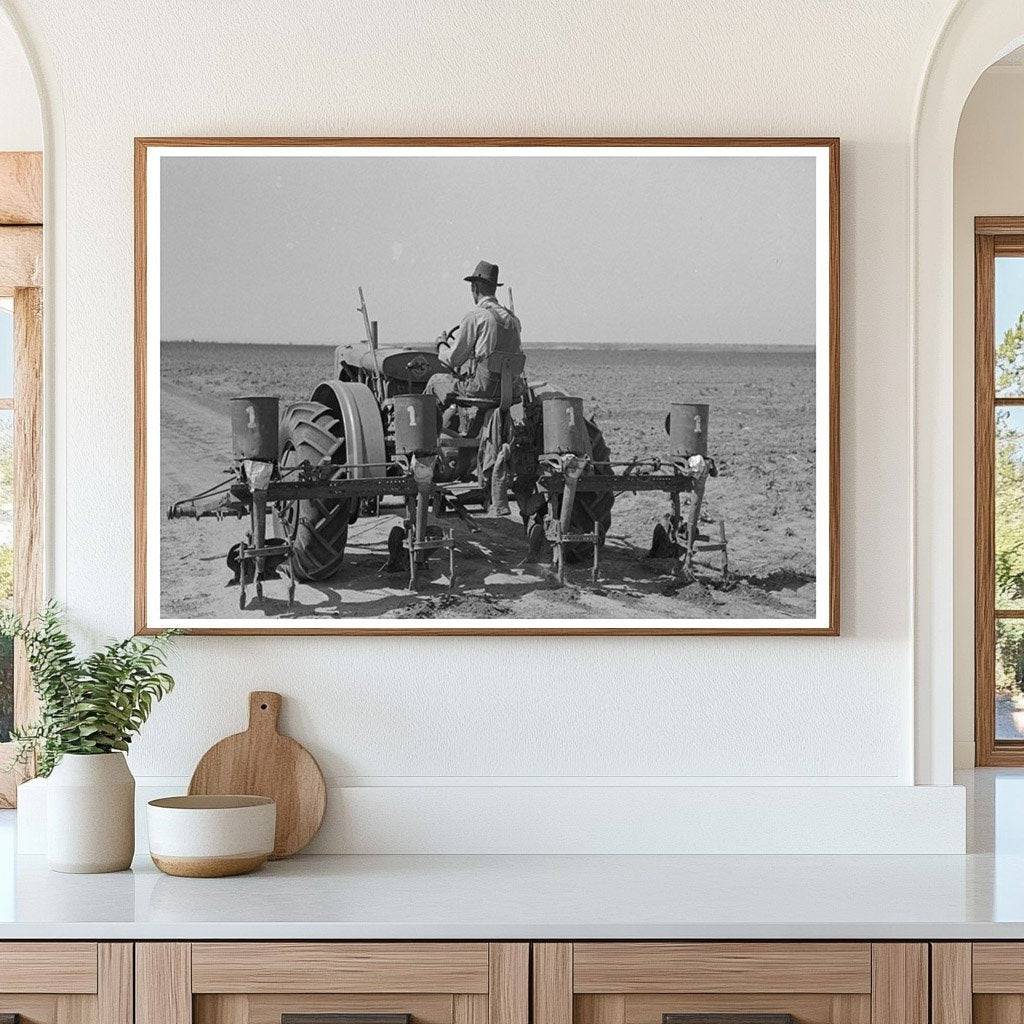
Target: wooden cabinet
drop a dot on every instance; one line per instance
(493, 983)
(980, 982)
(66, 982)
(261, 982)
(649, 982)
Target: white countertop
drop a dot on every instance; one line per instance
(532, 897)
(978, 896)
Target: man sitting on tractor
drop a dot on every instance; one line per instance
(487, 328)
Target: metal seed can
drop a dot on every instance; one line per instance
(415, 424)
(254, 427)
(688, 429)
(565, 430)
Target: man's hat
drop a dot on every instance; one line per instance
(485, 272)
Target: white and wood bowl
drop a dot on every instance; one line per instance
(211, 836)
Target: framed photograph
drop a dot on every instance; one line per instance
(487, 386)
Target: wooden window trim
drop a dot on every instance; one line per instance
(993, 236)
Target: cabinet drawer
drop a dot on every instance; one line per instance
(737, 982)
(66, 982)
(48, 967)
(270, 1009)
(630, 967)
(340, 967)
(998, 967)
(262, 982)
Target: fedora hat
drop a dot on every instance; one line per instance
(486, 272)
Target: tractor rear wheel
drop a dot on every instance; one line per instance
(317, 528)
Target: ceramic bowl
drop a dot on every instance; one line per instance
(211, 836)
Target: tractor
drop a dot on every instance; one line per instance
(371, 433)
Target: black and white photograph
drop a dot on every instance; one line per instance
(463, 386)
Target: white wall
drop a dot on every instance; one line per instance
(988, 181)
(400, 712)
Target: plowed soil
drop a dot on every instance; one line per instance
(761, 435)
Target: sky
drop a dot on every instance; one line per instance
(1009, 293)
(6, 352)
(597, 249)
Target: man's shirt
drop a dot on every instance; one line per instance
(487, 328)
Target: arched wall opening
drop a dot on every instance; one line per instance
(986, 183)
(976, 34)
(33, 120)
(21, 133)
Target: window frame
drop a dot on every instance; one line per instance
(993, 237)
(27, 499)
(21, 278)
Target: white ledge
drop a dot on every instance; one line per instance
(531, 897)
(599, 819)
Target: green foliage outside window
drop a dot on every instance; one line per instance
(7, 459)
(1009, 509)
(6, 688)
(6, 572)
(1009, 657)
(1010, 360)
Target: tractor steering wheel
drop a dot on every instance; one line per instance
(445, 344)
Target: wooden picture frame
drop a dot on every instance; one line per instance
(825, 621)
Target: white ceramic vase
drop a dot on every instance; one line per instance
(90, 814)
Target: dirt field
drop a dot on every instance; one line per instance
(761, 434)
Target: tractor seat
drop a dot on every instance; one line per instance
(473, 402)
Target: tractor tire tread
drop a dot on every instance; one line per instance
(313, 433)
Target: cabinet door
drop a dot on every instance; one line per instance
(332, 983)
(66, 982)
(737, 982)
(981, 982)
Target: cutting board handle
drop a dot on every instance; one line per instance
(264, 711)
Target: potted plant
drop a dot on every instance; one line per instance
(89, 709)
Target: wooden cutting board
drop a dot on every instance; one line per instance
(262, 762)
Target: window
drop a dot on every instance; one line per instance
(999, 490)
(6, 510)
(21, 375)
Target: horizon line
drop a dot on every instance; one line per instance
(781, 346)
